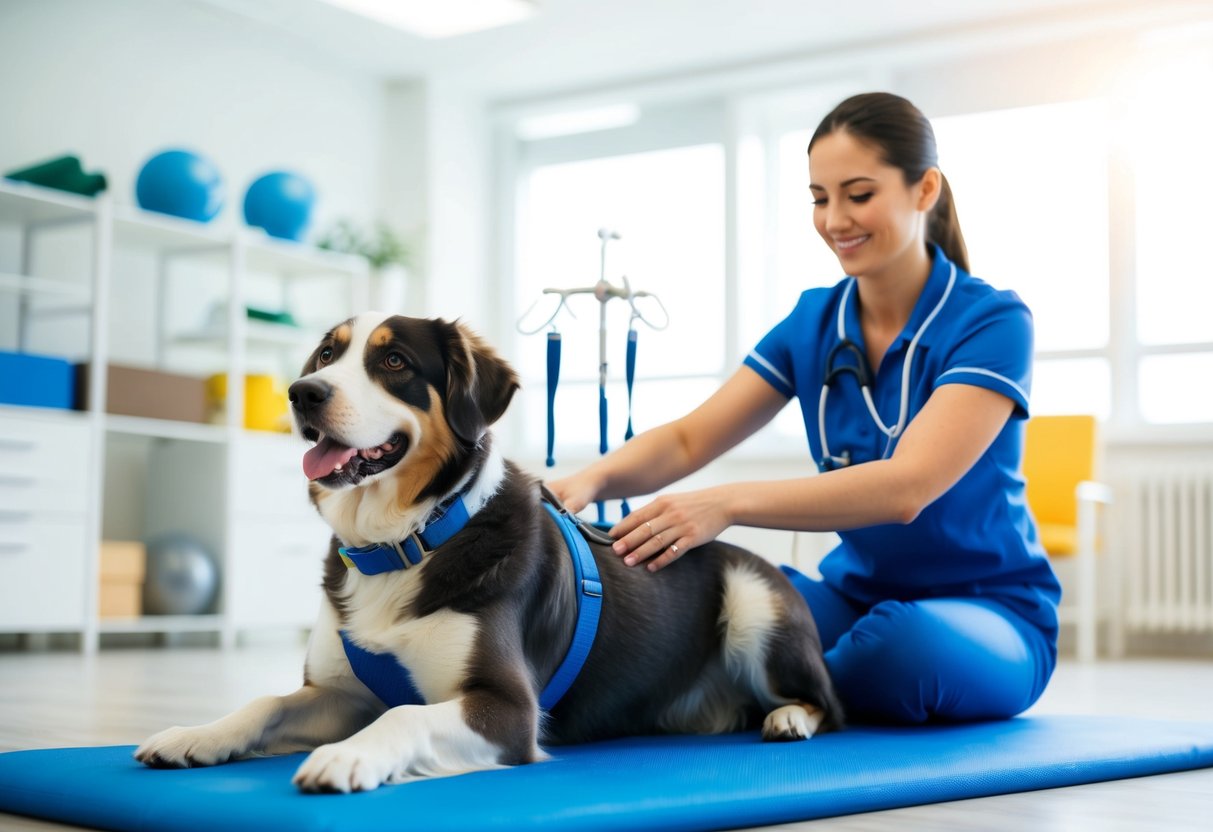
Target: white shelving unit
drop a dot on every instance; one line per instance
(242, 492)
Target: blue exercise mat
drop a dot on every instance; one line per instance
(653, 782)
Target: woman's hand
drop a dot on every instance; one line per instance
(576, 491)
(663, 531)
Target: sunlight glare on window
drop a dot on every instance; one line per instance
(1032, 196)
(1171, 123)
(1175, 388)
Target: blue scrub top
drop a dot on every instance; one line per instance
(978, 539)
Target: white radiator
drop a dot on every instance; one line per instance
(1166, 551)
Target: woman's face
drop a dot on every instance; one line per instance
(863, 209)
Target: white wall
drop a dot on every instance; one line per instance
(403, 174)
(116, 81)
(459, 281)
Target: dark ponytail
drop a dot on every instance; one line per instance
(943, 226)
(906, 141)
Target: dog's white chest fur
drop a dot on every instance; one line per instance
(435, 648)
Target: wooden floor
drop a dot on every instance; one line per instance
(121, 696)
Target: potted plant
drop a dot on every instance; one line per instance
(384, 249)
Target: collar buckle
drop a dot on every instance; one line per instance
(412, 549)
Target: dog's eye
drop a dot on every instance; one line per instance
(326, 355)
(394, 361)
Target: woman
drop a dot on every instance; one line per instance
(939, 602)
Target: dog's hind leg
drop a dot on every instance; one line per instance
(797, 674)
(299, 721)
(772, 650)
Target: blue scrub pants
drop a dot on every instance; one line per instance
(943, 659)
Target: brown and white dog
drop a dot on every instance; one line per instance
(400, 410)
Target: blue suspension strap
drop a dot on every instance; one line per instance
(602, 430)
(631, 377)
(553, 380)
(631, 380)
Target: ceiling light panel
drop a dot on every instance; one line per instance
(441, 18)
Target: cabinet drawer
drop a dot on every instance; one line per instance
(268, 478)
(275, 571)
(42, 572)
(49, 443)
(44, 464)
(36, 492)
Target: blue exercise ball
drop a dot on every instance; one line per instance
(181, 183)
(182, 577)
(281, 203)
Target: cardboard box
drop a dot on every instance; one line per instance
(123, 561)
(35, 380)
(123, 568)
(132, 391)
(121, 600)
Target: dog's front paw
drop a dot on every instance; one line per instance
(791, 722)
(342, 767)
(187, 747)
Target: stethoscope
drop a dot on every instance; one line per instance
(863, 375)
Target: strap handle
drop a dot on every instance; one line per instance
(589, 531)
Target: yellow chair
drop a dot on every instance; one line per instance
(1059, 464)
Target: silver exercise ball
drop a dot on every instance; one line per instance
(182, 577)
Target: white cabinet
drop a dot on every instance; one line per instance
(44, 534)
(95, 282)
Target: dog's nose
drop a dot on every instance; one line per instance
(307, 394)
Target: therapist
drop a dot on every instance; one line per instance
(939, 602)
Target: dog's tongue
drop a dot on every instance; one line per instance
(320, 460)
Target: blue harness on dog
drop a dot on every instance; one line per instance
(391, 681)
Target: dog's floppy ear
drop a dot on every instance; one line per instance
(479, 383)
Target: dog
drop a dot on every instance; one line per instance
(400, 411)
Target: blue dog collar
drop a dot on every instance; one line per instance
(444, 523)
